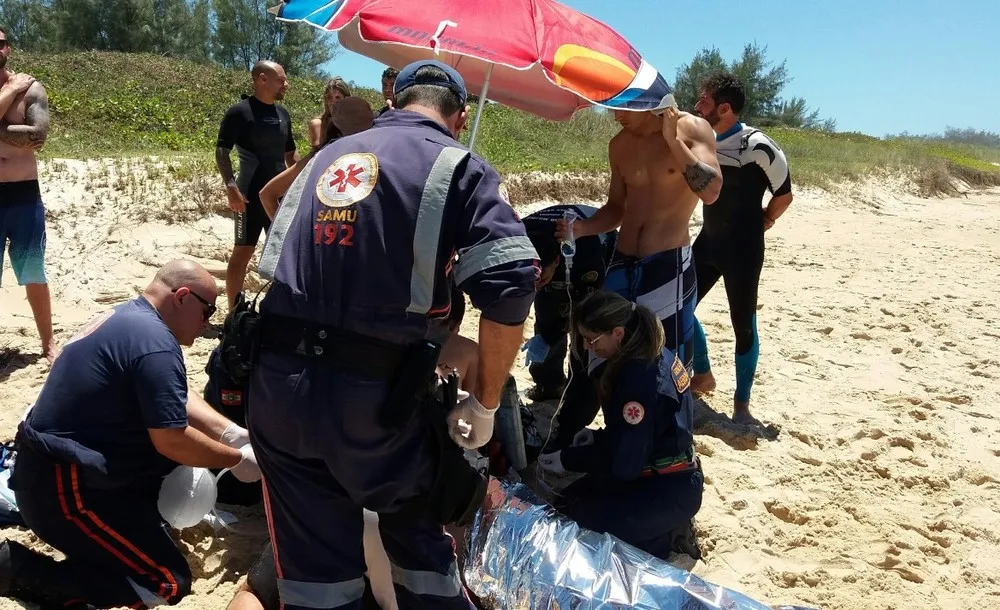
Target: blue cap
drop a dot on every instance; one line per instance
(408, 77)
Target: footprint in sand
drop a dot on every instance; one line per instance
(785, 513)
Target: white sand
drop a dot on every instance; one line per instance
(878, 325)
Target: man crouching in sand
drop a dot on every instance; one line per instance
(662, 162)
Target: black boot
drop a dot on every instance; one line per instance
(32, 577)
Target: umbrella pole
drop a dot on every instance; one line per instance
(479, 111)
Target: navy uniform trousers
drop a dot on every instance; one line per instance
(324, 456)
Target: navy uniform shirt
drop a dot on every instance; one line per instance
(366, 237)
(650, 417)
(121, 375)
(593, 252)
(751, 163)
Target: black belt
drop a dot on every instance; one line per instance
(354, 352)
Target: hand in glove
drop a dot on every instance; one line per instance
(537, 350)
(552, 462)
(247, 470)
(583, 437)
(235, 436)
(478, 420)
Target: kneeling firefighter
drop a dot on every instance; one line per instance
(345, 407)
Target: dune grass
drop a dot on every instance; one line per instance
(114, 104)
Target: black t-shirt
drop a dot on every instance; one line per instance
(751, 163)
(262, 134)
(120, 376)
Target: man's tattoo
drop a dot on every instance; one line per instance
(225, 164)
(699, 176)
(36, 121)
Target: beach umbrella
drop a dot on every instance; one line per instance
(535, 55)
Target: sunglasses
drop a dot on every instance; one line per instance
(209, 308)
(3, 43)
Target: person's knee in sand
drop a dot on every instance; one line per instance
(261, 131)
(24, 109)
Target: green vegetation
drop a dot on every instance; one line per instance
(112, 104)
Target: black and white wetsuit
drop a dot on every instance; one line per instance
(731, 242)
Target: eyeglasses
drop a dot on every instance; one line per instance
(208, 311)
(591, 342)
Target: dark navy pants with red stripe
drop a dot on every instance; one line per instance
(115, 541)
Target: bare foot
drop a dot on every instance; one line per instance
(741, 414)
(702, 383)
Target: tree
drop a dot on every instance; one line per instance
(762, 81)
(690, 75)
(246, 33)
(26, 23)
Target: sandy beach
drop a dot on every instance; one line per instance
(879, 369)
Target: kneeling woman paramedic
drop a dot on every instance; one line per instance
(643, 482)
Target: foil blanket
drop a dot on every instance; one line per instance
(523, 555)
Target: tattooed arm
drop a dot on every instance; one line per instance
(692, 142)
(35, 129)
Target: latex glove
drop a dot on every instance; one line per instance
(247, 470)
(478, 420)
(552, 462)
(235, 436)
(537, 350)
(583, 437)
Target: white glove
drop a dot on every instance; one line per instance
(247, 470)
(478, 419)
(552, 462)
(235, 436)
(583, 437)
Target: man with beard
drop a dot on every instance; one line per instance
(388, 83)
(261, 131)
(662, 162)
(731, 242)
(24, 125)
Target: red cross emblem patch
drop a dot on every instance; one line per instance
(348, 180)
(633, 413)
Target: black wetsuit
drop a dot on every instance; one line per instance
(731, 242)
(262, 134)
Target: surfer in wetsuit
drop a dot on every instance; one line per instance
(731, 242)
(261, 131)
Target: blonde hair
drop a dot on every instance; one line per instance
(334, 84)
(604, 311)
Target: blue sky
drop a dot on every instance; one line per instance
(877, 66)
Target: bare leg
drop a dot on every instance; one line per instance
(245, 600)
(41, 308)
(236, 272)
(702, 383)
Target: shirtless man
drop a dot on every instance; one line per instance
(24, 108)
(662, 163)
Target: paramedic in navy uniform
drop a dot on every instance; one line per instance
(361, 257)
(113, 418)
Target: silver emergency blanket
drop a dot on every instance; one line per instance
(523, 555)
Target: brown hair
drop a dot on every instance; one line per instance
(602, 312)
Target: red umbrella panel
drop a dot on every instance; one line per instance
(535, 55)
